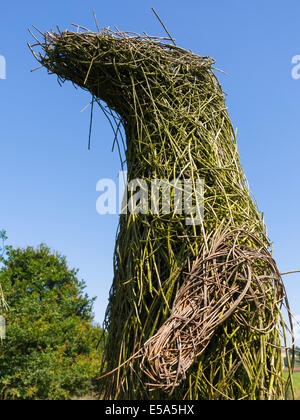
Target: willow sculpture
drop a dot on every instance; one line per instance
(195, 308)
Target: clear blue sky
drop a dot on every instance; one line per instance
(48, 177)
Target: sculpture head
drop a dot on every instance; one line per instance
(124, 70)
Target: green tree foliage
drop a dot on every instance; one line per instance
(296, 357)
(52, 348)
(3, 249)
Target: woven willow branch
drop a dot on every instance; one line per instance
(222, 337)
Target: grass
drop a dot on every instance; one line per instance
(296, 382)
(296, 378)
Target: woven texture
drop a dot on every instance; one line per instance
(194, 310)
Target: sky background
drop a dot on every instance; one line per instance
(48, 176)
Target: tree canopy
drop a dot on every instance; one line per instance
(52, 347)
